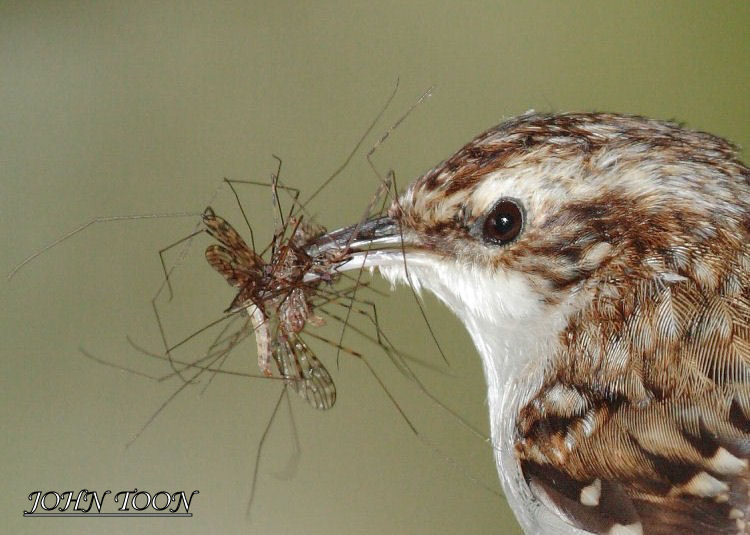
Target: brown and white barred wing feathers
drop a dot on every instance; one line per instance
(650, 400)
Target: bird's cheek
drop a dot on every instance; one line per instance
(496, 295)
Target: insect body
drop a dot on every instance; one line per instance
(276, 299)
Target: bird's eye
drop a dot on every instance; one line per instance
(503, 223)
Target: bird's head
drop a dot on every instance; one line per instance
(547, 215)
(561, 242)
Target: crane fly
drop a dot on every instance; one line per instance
(281, 290)
(276, 300)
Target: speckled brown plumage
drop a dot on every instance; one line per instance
(612, 322)
(651, 394)
(642, 413)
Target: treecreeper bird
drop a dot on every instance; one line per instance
(601, 264)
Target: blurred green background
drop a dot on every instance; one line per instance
(142, 107)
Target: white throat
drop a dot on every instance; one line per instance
(515, 334)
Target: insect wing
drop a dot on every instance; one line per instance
(242, 255)
(303, 371)
(226, 263)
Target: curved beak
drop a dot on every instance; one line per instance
(371, 243)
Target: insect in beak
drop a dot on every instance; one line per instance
(366, 244)
(375, 242)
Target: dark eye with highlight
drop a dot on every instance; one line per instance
(503, 223)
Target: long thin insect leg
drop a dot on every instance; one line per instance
(233, 341)
(279, 223)
(393, 354)
(165, 403)
(259, 452)
(390, 182)
(167, 348)
(365, 216)
(164, 339)
(242, 211)
(117, 366)
(373, 318)
(291, 467)
(295, 197)
(193, 365)
(418, 300)
(410, 373)
(227, 345)
(362, 358)
(423, 388)
(421, 437)
(397, 357)
(359, 273)
(84, 226)
(202, 329)
(401, 363)
(387, 183)
(357, 284)
(167, 273)
(411, 284)
(366, 285)
(388, 132)
(185, 384)
(356, 147)
(293, 193)
(161, 378)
